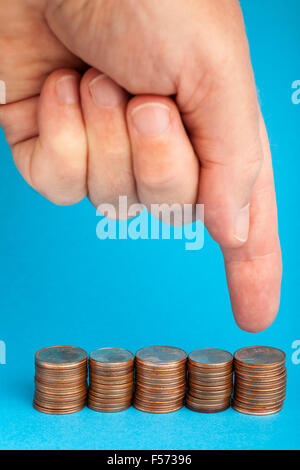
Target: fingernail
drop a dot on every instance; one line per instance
(105, 92)
(242, 224)
(67, 90)
(151, 119)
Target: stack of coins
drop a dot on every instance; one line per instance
(160, 379)
(111, 379)
(210, 380)
(260, 380)
(60, 380)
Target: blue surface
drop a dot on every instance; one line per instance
(59, 284)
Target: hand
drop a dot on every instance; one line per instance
(197, 51)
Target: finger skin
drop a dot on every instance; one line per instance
(54, 162)
(165, 165)
(19, 120)
(110, 172)
(254, 271)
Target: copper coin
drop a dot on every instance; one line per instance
(116, 378)
(251, 380)
(260, 390)
(159, 375)
(57, 408)
(112, 357)
(41, 385)
(210, 386)
(258, 403)
(256, 408)
(100, 381)
(159, 389)
(160, 383)
(161, 367)
(161, 355)
(199, 394)
(147, 409)
(252, 369)
(153, 396)
(210, 402)
(261, 378)
(211, 375)
(167, 401)
(252, 391)
(108, 410)
(210, 378)
(51, 396)
(58, 412)
(210, 357)
(209, 407)
(257, 412)
(206, 410)
(60, 356)
(109, 401)
(264, 356)
(110, 393)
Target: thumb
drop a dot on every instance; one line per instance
(223, 123)
(226, 139)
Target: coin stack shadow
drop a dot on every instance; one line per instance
(111, 379)
(60, 380)
(260, 380)
(210, 379)
(160, 379)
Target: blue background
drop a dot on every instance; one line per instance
(59, 284)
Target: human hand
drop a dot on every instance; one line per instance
(196, 51)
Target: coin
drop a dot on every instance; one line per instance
(210, 377)
(64, 356)
(111, 379)
(260, 380)
(112, 357)
(160, 379)
(157, 410)
(167, 356)
(199, 409)
(260, 356)
(60, 379)
(210, 358)
(247, 411)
